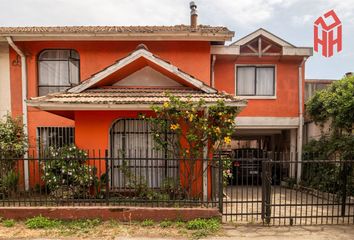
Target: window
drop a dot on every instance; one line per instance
(58, 70)
(54, 137)
(133, 139)
(255, 81)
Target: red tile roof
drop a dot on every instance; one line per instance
(131, 96)
(115, 29)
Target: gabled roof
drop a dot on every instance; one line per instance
(142, 53)
(100, 91)
(264, 33)
(286, 48)
(176, 32)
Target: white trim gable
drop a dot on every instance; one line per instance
(140, 53)
(147, 77)
(264, 33)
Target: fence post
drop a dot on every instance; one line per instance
(221, 184)
(107, 178)
(344, 176)
(266, 190)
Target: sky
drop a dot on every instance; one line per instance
(291, 20)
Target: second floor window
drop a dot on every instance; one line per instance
(255, 81)
(58, 70)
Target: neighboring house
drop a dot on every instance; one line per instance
(5, 97)
(88, 84)
(312, 131)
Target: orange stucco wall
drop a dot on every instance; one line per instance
(191, 57)
(92, 127)
(92, 132)
(287, 86)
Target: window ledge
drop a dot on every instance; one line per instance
(257, 97)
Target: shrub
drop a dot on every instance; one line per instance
(13, 143)
(147, 223)
(8, 223)
(66, 173)
(9, 181)
(210, 225)
(82, 224)
(41, 222)
(165, 224)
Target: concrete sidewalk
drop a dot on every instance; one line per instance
(342, 232)
(277, 233)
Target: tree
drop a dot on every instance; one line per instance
(336, 105)
(194, 126)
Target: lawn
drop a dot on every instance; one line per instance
(38, 227)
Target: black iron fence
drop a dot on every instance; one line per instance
(95, 178)
(275, 188)
(247, 186)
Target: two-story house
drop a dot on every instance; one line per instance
(87, 85)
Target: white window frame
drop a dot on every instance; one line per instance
(254, 96)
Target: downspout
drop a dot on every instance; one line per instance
(301, 122)
(213, 59)
(24, 104)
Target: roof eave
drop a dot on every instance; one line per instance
(187, 36)
(234, 50)
(45, 106)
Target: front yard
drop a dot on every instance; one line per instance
(40, 227)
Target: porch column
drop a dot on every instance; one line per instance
(292, 169)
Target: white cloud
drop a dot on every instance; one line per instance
(296, 20)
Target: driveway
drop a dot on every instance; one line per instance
(243, 204)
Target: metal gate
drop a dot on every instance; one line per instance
(267, 189)
(134, 152)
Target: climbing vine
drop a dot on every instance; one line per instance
(194, 124)
(199, 130)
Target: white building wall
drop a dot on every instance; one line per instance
(314, 131)
(5, 92)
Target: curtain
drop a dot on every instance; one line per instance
(134, 138)
(245, 81)
(265, 81)
(57, 71)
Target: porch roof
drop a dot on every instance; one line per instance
(125, 98)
